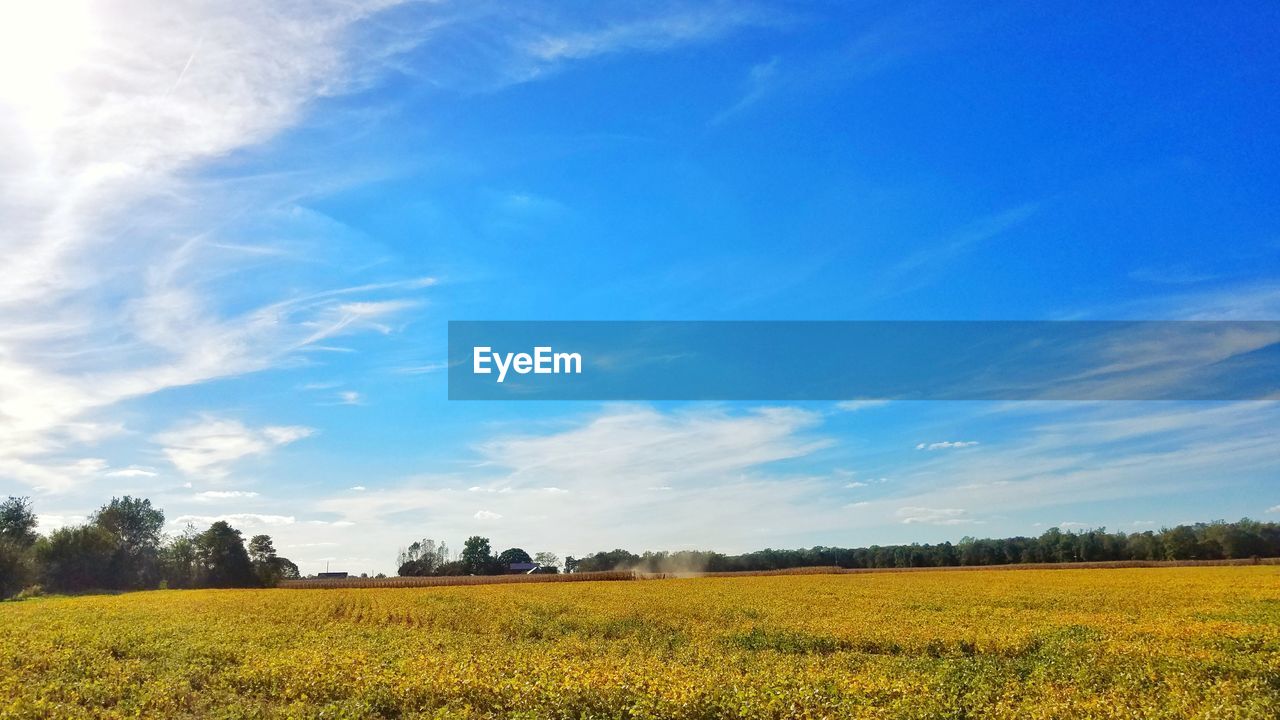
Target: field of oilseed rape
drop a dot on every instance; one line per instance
(1119, 643)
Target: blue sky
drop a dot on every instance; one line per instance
(233, 242)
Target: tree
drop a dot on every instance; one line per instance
(546, 559)
(477, 555)
(18, 521)
(1181, 543)
(16, 567)
(618, 559)
(17, 535)
(514, 555)
(451, 569)
(222, 559)
(178, 560)
(1143, 546)
(423, 557)
(76, 558)
(136, 526)
(288, 570)
(261, 549)
(262, 554)
(269, 568)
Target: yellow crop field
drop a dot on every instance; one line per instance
(1120, 643)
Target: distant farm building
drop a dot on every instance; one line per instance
(521, 568)
(331, 575)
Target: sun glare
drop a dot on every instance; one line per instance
(40, 44)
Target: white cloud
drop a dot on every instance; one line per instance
(1274, 509)
(46, 524)
(1071, 456)
(639, 477)
(225, 494)
(707, 477)
(209, 446)
(1072, 453)
(285, 434)
(357, 488)
(934, 516)
(856, 405)
(855, 484)
(116, 242)
(631, 445)
(51, 477)
(350, 397)
(133, 471)
(112, 240)
(236, 520)
(946, 444)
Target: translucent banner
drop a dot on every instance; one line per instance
(803, 360)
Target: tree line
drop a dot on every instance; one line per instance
(428, 557)
(1202, 541)
(122, 547)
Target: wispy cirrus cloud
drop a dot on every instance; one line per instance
(760, 79)
(1068, 453)
(1176, 275)
(946, 445)
(124, 216)
(500, 44)
(924, 265)
(934, 516)
(116, 240)
(1239, 300)
(209, 446)
(856, 405)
